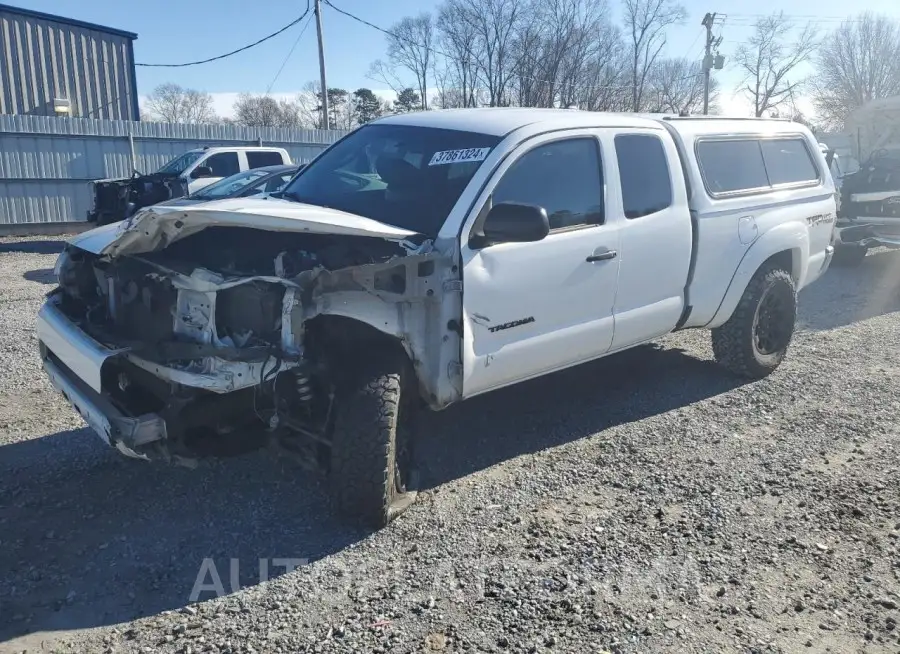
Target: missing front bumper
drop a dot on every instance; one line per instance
(94, 378)
(125, 433)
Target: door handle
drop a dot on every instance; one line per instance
(602, 256)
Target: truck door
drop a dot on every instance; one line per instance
(221, 164)
(656, 234)
(529, 308)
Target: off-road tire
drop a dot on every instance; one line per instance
(849, 255)
(370, 405)
(735, 343)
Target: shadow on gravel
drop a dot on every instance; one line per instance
(89, 538)
(846, 295)
(33, 247)
(40, 276)
(92, 539)
(564, 407)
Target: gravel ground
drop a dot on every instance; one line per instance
(646, 503)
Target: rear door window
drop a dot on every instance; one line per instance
(260, 159)
(644, 174)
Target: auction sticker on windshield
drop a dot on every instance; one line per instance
(459, 156)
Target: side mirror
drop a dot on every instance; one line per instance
(514, 222)
(202, 171)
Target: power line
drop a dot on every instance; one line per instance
(752, 20)
(793, 16)
(290, 52)
(694, 42)
(233, 52)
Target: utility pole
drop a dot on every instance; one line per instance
(318, 9)
(710, 62)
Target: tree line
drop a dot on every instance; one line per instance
(172, 103)
(563, 53)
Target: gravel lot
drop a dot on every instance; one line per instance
(646, 503)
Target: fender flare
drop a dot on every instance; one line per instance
(790, 237)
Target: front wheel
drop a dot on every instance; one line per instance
(371, 454)
(754, 341)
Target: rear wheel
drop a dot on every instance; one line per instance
(754, 341)
(372, 459)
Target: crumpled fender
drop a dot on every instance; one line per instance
(792, 236)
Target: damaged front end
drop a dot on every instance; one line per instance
(870, 205)
(191, 333)
(117, 199)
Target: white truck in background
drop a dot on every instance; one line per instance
(425, 259)
(869, 210)
(117, 199)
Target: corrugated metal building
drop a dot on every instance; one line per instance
(48, 63)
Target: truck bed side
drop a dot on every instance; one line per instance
(736, 233)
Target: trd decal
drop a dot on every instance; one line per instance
(820, 219)
(510, 325)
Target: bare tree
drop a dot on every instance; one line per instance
(769, 60)
(494, 25)
(171, 103)
(266, 111)
(386, 73)
(676, 86)
(308, 103)
(605, 81)
(457, 36)
(645, 25)
(410, 45)
(857, 63)
(590, 19)
(554, 51)
(546, 53)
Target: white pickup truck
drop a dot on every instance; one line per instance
(116, 199)
(427, 258)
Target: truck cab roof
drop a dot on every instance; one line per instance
(237, 148)
(500, 121)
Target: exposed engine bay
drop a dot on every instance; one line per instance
(236, 337)
(117, 199)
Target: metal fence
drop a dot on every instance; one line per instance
(46, 163)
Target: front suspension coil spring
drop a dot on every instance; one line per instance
(303, 386)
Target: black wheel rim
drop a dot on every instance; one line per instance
(773, 323)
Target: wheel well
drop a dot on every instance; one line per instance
(786, 260)
(343, 339)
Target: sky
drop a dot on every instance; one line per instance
(173, 31)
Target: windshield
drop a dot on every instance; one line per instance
(225, 187)
(405, 176)
(179, 164)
